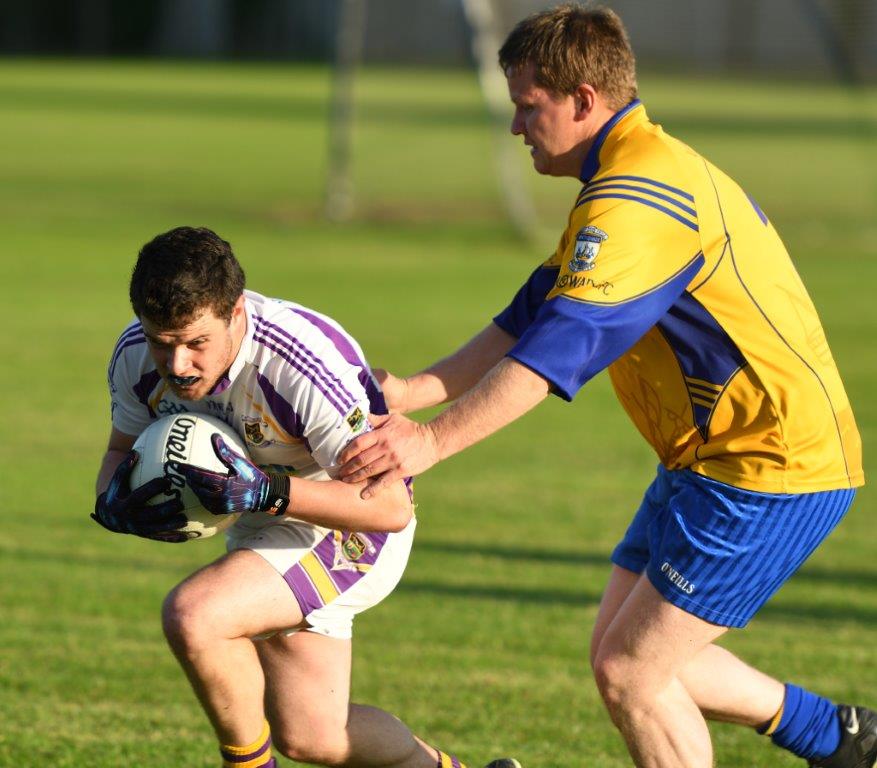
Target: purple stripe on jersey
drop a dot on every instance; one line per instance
(330, 395)
(342, 578)
(284, 412)
(376, 402)
(348, 352)
(454, 762)
(221, 385)
(137, 338)
(282, 336)
(305, 593)
(144, 387)
(229, 757)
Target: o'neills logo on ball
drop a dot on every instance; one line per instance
(176, 449)
(677, 578)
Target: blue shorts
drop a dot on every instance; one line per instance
(720, 552)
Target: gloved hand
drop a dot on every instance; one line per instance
(245, 488)
(121, 510)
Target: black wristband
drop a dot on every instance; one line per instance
(277, 499)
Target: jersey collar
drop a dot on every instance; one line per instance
(242, 356)
(635, 111)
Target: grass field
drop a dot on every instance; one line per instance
(483, 647)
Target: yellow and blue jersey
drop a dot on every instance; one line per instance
(670, 275)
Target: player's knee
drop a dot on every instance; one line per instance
(317, 746)
(186, 622)
(616, 680)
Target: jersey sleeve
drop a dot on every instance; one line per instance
(129, 387)
(331, 403)
(623, 264)
(522, 310)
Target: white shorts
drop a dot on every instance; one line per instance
(333, 575)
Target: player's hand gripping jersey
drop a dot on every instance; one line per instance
(671, 276)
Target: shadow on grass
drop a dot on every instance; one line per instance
(297, 107)
(780, 126)
(526, 554)
(515, 594)
(830, 613)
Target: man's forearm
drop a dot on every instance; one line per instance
(337, 505)
(456, 374)
(108, 465)
(506, 393)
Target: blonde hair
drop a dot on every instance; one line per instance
(570, 45)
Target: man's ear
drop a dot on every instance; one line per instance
(584, 98)
(238, 310)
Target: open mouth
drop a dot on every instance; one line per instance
(184, 382)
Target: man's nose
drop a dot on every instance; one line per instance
(178, 361)
(517, 126)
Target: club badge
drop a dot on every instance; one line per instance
(356, 419)
(349, 548)
(588, 242)
(253, 430)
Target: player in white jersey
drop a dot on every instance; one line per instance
(308, 554)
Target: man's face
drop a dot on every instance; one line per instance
(192, 359)
(548, 124)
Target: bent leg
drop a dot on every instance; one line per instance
(208, 621)
(723, 687)
(307, 701)
(637, 670)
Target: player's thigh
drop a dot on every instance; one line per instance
(307, 686)
(618, 588)
(238, 595)
(650, 640)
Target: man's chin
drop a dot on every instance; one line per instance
(193, 392)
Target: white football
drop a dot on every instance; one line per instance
(184, 438)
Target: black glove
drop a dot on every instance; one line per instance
(121, 510)
(245, 488)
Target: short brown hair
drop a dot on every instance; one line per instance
(183, 272)
(570, 45)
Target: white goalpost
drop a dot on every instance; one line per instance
(482, 17)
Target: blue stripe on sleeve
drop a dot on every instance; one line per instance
(570, 341)
(520, 313)
(650, 203)
(644, 180)
(600, 186)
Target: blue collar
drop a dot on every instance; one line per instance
(592, 161)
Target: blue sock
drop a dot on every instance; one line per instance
(809, 727)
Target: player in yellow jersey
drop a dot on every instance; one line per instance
(673, 278)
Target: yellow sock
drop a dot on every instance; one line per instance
(255, 755)
(448, 761)
(774, 722)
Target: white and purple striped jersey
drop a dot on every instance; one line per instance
(298, 391)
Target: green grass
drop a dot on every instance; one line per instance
(483, 647)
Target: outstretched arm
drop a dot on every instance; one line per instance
(401, 447)
(450, 377)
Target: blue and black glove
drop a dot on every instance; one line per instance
(245, 488)
(121, 510)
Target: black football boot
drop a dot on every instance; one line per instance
(858, 740)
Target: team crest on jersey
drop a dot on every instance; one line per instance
(253, 431)
(356, 419)
(588, 242)
(349, 548)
